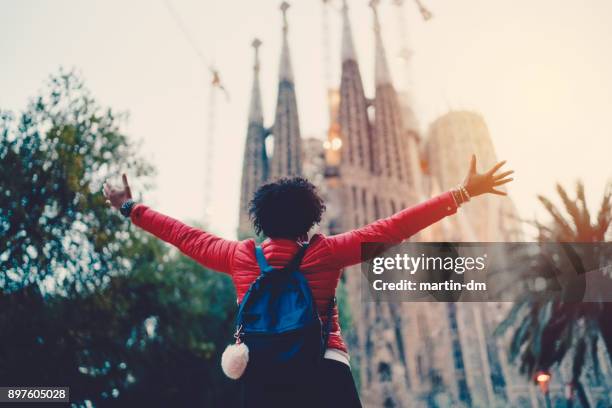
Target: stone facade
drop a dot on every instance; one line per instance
(374, 163)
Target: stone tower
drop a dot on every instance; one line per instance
(286, 159)
(255, 161)
(376, 177)
(396, 153)
(473, 368)
(356, 162)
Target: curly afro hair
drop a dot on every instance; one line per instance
(286, 208)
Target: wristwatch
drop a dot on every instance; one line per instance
(126, 208)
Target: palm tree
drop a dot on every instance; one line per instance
(545, 331)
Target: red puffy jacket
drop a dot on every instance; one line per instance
(322, 263)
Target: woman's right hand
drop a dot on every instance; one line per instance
(115, 196)
(480, 183)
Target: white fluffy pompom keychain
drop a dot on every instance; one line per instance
(235, 358)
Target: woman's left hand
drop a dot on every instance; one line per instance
(116, 197)
(480, 183)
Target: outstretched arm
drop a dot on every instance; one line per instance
(346, 247)
(205, 248)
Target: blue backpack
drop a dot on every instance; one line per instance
(278, 320)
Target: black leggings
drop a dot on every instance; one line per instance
(332, 387)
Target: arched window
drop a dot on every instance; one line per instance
(354, 191)
(355, 206)
(384, 371)
(376, 208)
(364, 206)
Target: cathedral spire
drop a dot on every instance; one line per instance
(389, 145)
(286, 159)
(381, 68)
(285, 71)
(348, 47)
(395, 149)
(353, 116)
(255, 162)
(256, 110)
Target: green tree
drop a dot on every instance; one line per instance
(87, 300)
(546, 332)
(54, 157)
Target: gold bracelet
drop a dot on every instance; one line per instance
(463, 200)
(453, 192)
(464, 190)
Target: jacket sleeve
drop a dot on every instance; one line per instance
(205, 248)
(346, 247)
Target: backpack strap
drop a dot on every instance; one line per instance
(294, 264)
(264, 267)
(297, 258)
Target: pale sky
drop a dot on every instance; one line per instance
(540, 72)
